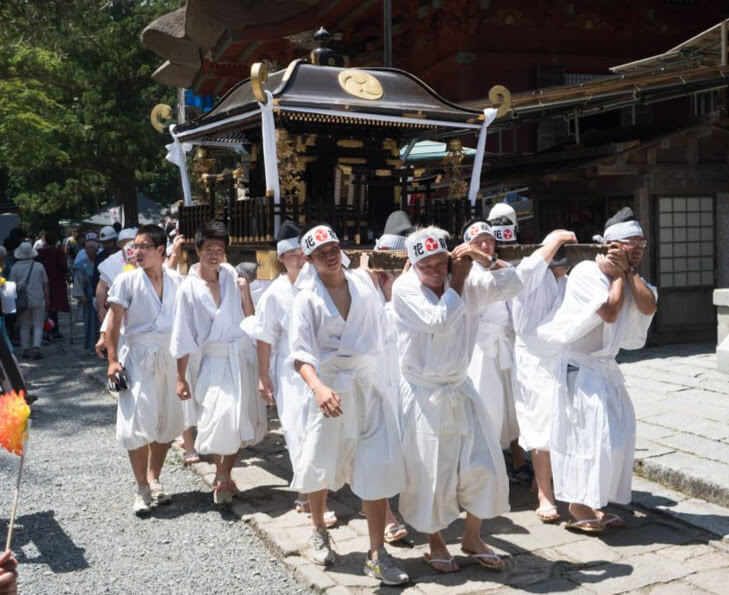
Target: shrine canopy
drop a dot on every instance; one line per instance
(326, 95)
(313, 97)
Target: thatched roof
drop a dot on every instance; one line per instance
(187, 36)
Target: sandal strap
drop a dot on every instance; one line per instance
(224, 486)
(585, 522)
(440, 560)
(485, 556)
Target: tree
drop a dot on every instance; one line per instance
(75, 97)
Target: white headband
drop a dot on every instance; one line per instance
(504, 233)
(620, 231)
(427, 246)
(283, 246)
(390, 241)
(316, 237)
(476, 229)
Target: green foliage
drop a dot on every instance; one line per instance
(75, 98)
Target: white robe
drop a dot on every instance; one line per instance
(150, 410)
(360, 447)
(593, 431)
(231, 413)
(491, 367)
(391, 359)
(536, 366)
(453, 457)
(273, 314)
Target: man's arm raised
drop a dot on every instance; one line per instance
(645, 299)
(611, 308)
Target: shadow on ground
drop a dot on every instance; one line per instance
(40, 534)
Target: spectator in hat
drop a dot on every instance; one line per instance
(108, 239)
(83, 288)
(32, 276)
(53, 259)
(108, 269)
(14, 239)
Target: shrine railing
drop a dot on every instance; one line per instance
(251, 221)
(447, 213)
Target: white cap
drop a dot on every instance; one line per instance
(476, 229)
(107, 233)
(128, 233)
(502, 209)
(426, 242)
(317, 236)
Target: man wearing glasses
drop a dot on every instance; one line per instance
(149, 414)
(607, 307)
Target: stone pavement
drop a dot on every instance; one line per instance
(682, 406)
(676, 541)
(654, 554)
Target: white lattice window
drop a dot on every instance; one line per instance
(686, 241)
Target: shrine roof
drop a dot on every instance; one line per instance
(340, 95)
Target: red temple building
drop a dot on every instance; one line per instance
(611, 104)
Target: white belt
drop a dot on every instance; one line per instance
(158, 354)
(496, 341)
(599, 365)
(219, 350)
(343, 372)
(447, 393)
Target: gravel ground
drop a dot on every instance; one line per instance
(76, 532)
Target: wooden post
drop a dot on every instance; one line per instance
(642, 207)
(387, 18)
(723, 49)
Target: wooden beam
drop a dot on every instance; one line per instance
(617, 169)
(388, 260)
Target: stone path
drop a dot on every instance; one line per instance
(76, 533)
(655, 554)
(682, 405)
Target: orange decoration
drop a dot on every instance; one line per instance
(14, 413)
